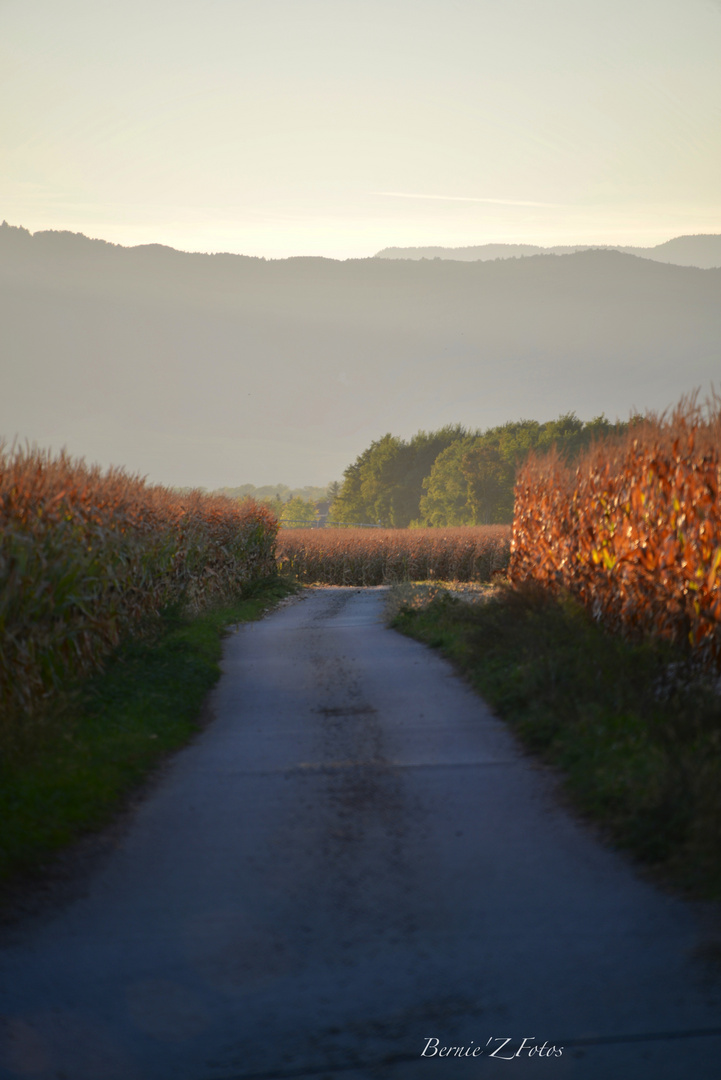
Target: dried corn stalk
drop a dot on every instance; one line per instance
(88, 557)
(634, 530)
(347, 556)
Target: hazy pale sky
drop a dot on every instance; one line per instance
(337, 127)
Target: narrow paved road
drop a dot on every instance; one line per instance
(352, 860)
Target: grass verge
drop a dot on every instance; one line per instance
(103, 740)
(635, 730)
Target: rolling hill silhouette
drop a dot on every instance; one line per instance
(703, 250)
(218, 369)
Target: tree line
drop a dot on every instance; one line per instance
(295, 505)
(453, 476)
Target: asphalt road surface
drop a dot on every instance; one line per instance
(352, 864)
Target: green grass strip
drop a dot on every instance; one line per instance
(97, 746)
(635, 730)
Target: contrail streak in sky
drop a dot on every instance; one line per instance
(463, 198)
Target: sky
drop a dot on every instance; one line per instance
(339, 127)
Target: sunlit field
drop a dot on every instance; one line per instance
(89, 557)
(348, 556)
(633, 530)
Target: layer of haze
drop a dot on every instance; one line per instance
(339, 127)
(222, 369)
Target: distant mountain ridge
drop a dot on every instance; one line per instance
(205, 369)
(702, 250)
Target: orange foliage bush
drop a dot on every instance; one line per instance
(87, 557)
(633, 530)
(348, 556)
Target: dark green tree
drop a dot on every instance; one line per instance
(490, 479)
(385, 483)
(472, 482)
(445, 499)
(359, 494)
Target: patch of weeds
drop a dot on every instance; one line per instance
(635, 730)
(418, 594)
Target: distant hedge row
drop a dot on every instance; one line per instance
(350, 556)
(89, 557)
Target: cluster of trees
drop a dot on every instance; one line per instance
(306, 504)
(385, 483)
(297, 509)
(453, 476)
(280, 493)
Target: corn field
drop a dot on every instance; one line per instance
(87, 558)
(634, 531)
(350, 556)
